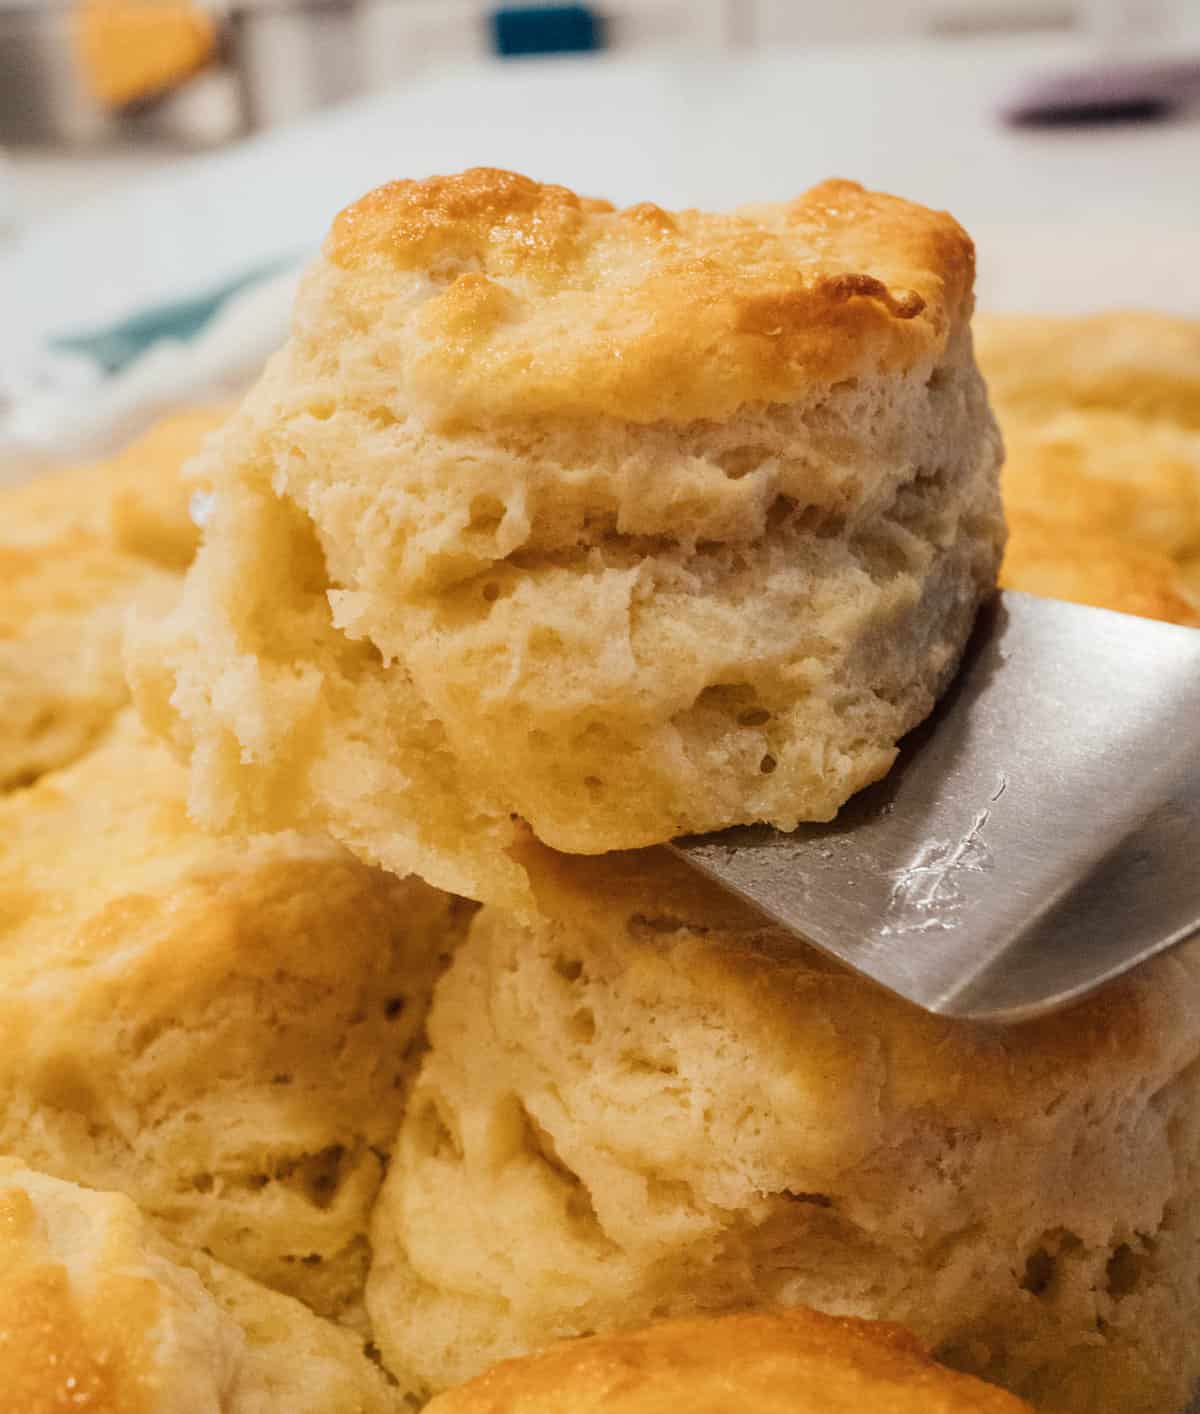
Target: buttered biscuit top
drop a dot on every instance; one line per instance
(519, 299)
(605, 526)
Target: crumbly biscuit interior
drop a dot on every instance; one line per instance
(615, 634)
(643, 1105)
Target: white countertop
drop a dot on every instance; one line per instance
(1064, 219)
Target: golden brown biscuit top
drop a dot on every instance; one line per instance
(788, 1362)
(93, 1314)
(519, 223)
(49, 1359)
(1101, 419)
(1053, 557)
(1108, 473)
(1133, 361)
(497, 296)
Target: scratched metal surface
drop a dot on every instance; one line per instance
(1035, 839)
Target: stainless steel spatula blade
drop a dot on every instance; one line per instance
(1039, 835)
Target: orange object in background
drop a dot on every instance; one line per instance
(129, 50)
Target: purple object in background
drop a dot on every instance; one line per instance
(1108, 93)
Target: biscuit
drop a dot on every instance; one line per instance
(785, 1362)
(99, 1313)
(136, 501)
(1108, 473)
(648, 1102)
(1101, 419)
(63, 604)
(1136, 362)
(1049, 556)
(618, 524)
(78, 550)
(224, 1029)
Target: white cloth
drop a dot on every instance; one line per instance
(58, 407)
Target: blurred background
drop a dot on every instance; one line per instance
(167, 165)
(95, 92)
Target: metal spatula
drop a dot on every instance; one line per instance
(1039, 835)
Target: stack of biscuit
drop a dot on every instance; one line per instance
(367, 1038)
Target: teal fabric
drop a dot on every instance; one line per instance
(118, 345)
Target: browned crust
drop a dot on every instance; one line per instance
(796, 1360)
(553, 303)
(56, 1353)
(1053, 558)
(1136, 361)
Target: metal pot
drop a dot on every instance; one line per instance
(42, 97)
(292, 56)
